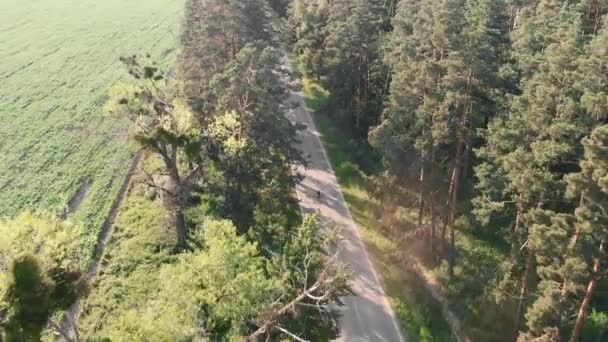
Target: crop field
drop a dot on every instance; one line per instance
(57, 60)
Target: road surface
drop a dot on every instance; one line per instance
(367, 315)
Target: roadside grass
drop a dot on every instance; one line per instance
(59, 58)
(140, 245)
(468, 293)
(419, 316)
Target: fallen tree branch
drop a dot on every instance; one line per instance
(325, 282)
(290, 334)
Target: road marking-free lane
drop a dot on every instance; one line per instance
(367, 315)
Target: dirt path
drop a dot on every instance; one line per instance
(434, 287)
(69, 323)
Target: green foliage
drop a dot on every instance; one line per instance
(280, 6)
(214, 292)
(527, 161)
(308, 19)
(217, 291)
(339, 44)
(565, 241)
(29, 300)
(519, 83)
(140, 245)
(301, 262)
(349, 157)
(40, 273)
(213, 32)
(352, 59)
(255, 141)
(165, 126)
(55, 243)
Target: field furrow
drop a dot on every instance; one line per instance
(58, 59)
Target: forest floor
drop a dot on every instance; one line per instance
(433, 285)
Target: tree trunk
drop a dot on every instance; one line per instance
(582, 311)
(453, 207)
(525, 282)
(444, 230)
(515, 235)
(176, 198)
(358, 99)
(387, 83)
(598, 19)
(464, 132)
(367, 83)
(421, 193)
(467, 153)
(432, 201)
(446, 214)
(180, 227)
(564, 291)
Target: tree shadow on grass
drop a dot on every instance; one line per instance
(470, 291)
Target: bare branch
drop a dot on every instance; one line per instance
(59, 330)
(192, 174)
(149, 181)
(270, 323)
(325, 296)
(290, 334)
(316, 306)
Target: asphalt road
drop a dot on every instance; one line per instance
(366, 315)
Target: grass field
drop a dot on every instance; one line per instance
(57, 60)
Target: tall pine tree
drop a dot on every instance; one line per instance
(213, 33)
(354, 72)
(530, 150)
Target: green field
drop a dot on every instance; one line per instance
(57, 60)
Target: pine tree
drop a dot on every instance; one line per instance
(563, 244)
(308, 21)
(354, 73)
(445, 58)
(592, 77)
(415, 53)
(528, 151)
(564, 259)
(471, 83)
(591, 186)
(213, 33)
(166, 127)
(255, 139)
